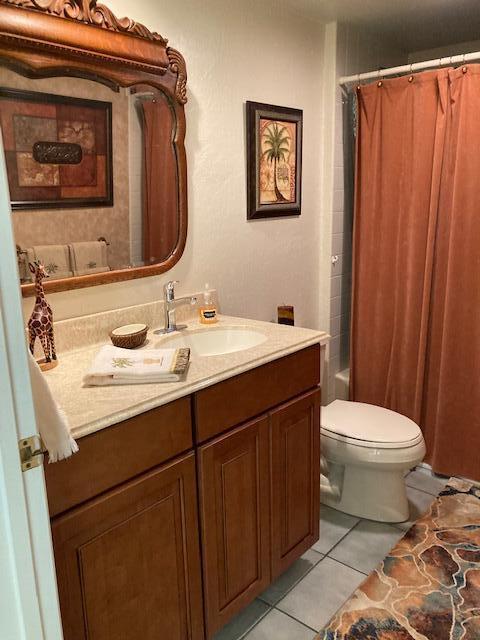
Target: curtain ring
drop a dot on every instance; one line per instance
(410, 79)
(358, 81)
(379, 83)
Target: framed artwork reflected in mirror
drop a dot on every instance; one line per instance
(58, 150)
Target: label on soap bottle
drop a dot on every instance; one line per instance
(208, 315)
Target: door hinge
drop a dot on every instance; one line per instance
(31, 452)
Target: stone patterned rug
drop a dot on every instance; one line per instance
(428, 587)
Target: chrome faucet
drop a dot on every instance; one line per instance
(170, 305)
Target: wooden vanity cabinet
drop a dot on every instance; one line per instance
(189, 511)
(128, 562)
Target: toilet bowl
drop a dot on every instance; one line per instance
(366, 451)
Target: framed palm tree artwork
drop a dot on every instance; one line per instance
(274, 161)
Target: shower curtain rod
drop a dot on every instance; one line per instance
(410, 68)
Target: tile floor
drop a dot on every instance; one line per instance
(304, 598)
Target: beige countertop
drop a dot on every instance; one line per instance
(90, 409)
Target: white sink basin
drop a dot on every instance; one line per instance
(215, 341)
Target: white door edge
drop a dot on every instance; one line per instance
(28, 593)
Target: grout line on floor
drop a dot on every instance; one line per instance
(335, 613)
(398, 525)
(343, 537)
(244, 635)
(412, 486)
(345, 601)
(322, 557)
(297, 620)
(349, 566)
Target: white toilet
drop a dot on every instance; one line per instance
(366, 451)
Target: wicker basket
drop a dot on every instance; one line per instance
(129, 339)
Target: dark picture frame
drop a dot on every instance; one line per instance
(274, 160)
(73, 169)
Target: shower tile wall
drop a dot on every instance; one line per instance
(341, 247)
(357, 52)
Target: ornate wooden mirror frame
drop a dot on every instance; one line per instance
(46, 38)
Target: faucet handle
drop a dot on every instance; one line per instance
(169, 290)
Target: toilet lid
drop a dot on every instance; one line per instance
(362, 423)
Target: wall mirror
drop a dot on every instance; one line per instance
(93, 126)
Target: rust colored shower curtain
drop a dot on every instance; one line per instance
(451, 416)
(401, 139)
(416, 297)
(160, 231)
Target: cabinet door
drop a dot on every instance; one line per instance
(295, 437)
(128, 562)
(235, 514)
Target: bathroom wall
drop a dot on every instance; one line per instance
(237, 51)
(443, 52)
(357, 51)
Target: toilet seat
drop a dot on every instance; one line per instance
(366, 425)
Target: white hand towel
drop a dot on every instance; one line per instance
(23, 261)
(89, 257)
(113, 365)
(56, 260)
(51, 420)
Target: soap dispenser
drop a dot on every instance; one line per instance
(208, 311)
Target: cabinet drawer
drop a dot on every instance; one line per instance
(254, 392)
(117, 453)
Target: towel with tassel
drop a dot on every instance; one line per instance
(89, 257)
(113, 365)
(51, 420)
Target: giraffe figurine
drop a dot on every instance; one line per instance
(40, 324)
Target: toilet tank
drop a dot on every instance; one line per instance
(342, 384)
